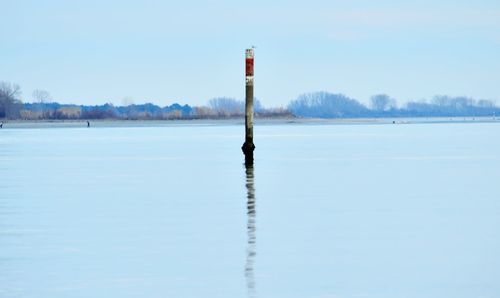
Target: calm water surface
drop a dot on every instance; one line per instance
(410, 210)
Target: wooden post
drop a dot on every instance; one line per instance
(248, 147)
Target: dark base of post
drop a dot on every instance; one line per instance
(248, 148)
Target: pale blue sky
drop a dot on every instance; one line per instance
(190, 51)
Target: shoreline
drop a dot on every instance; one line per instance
(30, 124)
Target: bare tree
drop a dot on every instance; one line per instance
(225, 106)
(41, 96)
(484, 103)
(326, 105)
(382, 102)
(10, 105)
(9, 90)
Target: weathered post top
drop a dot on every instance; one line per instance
(248, 147)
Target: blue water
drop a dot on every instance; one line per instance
(347, 210)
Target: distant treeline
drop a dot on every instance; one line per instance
(311, 105)
(218, 108)
(328, 105)
(43, 107)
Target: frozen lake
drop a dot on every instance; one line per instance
(328, 211)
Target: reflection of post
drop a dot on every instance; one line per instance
(251, 241)
(248, 147)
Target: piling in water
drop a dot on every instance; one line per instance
(248, 147)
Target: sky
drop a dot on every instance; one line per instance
(93, 52)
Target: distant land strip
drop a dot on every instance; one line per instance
(310, 105)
